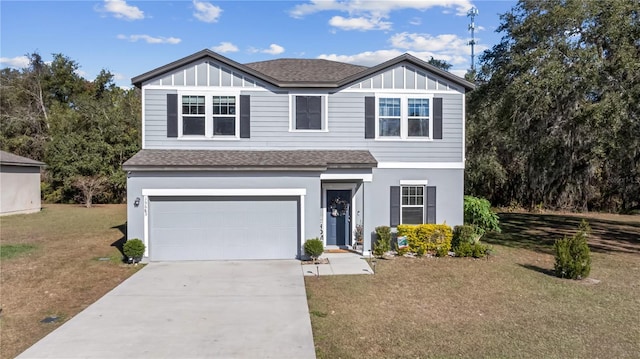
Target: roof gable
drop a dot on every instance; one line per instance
(301, 73)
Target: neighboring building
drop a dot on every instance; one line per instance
(19, 184)
(247, 161)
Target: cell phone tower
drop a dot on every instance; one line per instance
(472, 13)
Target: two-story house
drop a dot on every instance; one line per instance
(247, 161)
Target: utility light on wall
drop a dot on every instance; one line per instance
(136, 203)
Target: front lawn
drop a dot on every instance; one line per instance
(55, 263)
(507, 306)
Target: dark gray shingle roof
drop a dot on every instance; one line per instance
(10, 159)
(306, 70)
(249, 160)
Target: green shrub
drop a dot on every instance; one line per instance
(313, 248)
(573, 257)
(425, 238)
(477, 212)
(466, 233)
(463, 249)
(134, 249)
(383, 241)
(475, 250)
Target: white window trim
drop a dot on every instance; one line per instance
(208, 116)
(422, 184)
(404, 116)
(325, 112)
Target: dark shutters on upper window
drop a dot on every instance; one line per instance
(172, 115)
(394, 199)
(308, 113)
(437, 118)
(245, 116)
(369, 117)
(431, 205)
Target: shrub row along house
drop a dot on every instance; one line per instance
(247, 161)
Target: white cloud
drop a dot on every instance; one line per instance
(150, 39)
(81, 73)
(377, 8)
(17, 62)
(415, 21)
(206, 12)
(274, 49)
(359, 23)
(225, 47)
(121, 10)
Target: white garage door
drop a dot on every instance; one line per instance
(209, 228)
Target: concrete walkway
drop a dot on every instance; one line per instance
(242, 309)
(339, 264)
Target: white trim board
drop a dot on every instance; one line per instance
(420, 165)
(366, 177)
(224, 192)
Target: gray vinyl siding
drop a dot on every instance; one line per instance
(270, 128)
(449, 185)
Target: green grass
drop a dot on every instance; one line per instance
(507, 306)
(54, 269)
(12, 250)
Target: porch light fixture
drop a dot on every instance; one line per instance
(136, 203)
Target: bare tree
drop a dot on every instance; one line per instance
(89, 187)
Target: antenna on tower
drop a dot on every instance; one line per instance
(472, 13)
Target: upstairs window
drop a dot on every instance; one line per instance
(390, 117)
(193, 115)
(224, 115)
(404, 117)
(209, 116)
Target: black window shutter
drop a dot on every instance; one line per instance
(172, 115)
(431, 204)
(395, 206)
(369, 117)
(245, 116)
(437, 118)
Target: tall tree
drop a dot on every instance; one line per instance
(555, 119)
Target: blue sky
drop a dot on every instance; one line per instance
(129, 38)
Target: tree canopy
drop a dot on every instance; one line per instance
(79, 128)
(555, 120)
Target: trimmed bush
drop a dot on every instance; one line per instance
(466, 233)
(475, 250)
(477, 212)
(427, 238)
(573, 256)
(134, 249)
(313, 248)
(383, 241)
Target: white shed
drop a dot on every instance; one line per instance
(19, 184)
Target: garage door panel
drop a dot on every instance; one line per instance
(203, 228)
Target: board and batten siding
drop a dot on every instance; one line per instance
(270, 129)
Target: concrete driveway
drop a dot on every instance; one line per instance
(239, 309)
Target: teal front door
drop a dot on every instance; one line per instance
(338, 217)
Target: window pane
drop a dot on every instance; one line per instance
(224, 105)
(193, 105)
(224, 126)
(389, 127)
(193, 125)
(389, 107)
(418, 127)
(418, 107)
(412, 215)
